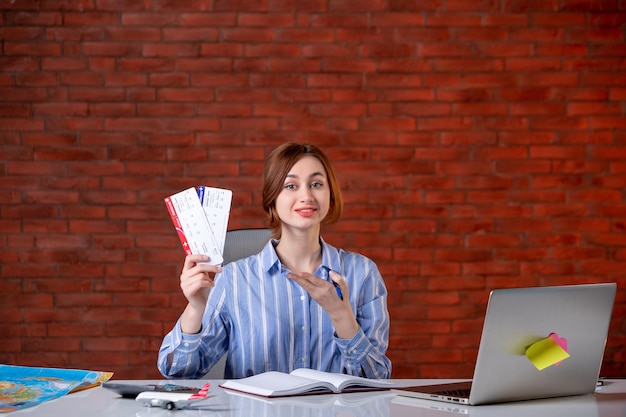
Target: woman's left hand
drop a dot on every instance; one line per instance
(325, 293)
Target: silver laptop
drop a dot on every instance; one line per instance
(517, 318)
(574, 406)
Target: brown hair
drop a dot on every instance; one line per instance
(278, 165)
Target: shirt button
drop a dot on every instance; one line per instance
(303, 360)
(302, 297)
(303, 328)
(186, 344)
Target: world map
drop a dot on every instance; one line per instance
(22, 387)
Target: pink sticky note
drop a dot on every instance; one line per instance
(561, 341)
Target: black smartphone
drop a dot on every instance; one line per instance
(130, 390)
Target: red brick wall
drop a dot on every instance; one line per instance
(480, 143)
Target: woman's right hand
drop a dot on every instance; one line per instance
(196, 283)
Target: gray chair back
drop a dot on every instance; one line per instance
(242, 243)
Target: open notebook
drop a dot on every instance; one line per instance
(537, 342)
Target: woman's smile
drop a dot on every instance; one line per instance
(306, 211)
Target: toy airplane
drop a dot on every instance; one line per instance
(172, 400)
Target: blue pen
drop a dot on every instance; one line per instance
(329, 279)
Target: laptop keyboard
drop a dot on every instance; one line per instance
(454, 393)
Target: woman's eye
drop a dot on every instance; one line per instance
(317, 185)
(290, 186)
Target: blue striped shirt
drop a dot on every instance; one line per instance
(264, 321)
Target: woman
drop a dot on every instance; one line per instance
(299, 303)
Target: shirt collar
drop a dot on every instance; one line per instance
(330, 256)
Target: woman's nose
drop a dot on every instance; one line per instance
(306, 194)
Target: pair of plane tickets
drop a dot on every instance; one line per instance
(201, 220)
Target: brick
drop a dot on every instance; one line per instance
(354, 94)
(259, 20)
(86, 18)
(23, 33)
(609, 50)
(494, 240)
(607, 19)
(605, 267)
(523, 225)
(482, 34)
(425, 109)
(275, 81)
(394, 19)
(604, 34)
(490, 268)
(365, 35)
(17, 110)
(169, 79)
(552, 239)
(492, 80)
(54, 344)
(410, 6)
(22, 94)
(557, 182)
(330, 50)
(290, 65)
(504, 49)
(594, 108)
(462, 255)
(306, 35)
(88, 169)
(257, 64)
(521, 254)
(519, 167)
(28, 49)
(502, 19)
(266, 50)
(608, 122)
(413, 94)
(561, 210)
(348, 65)
(402, 65)
(585, 138)
(117, 123)
(485, 182)
(146, 18)
(578, 253)
(474, 65)
(599, 78)
(578, 167)
(549, 269)
(483, 109)
(126, 80)
(617, 167)
(343, 6)
(610, 181)
(600, 196)
(561, 49)
(247, 5)
(38, 19)
(592, 65)
(443, 19)
(557, 152)
(132, 329)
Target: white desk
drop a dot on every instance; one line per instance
(610, 400)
